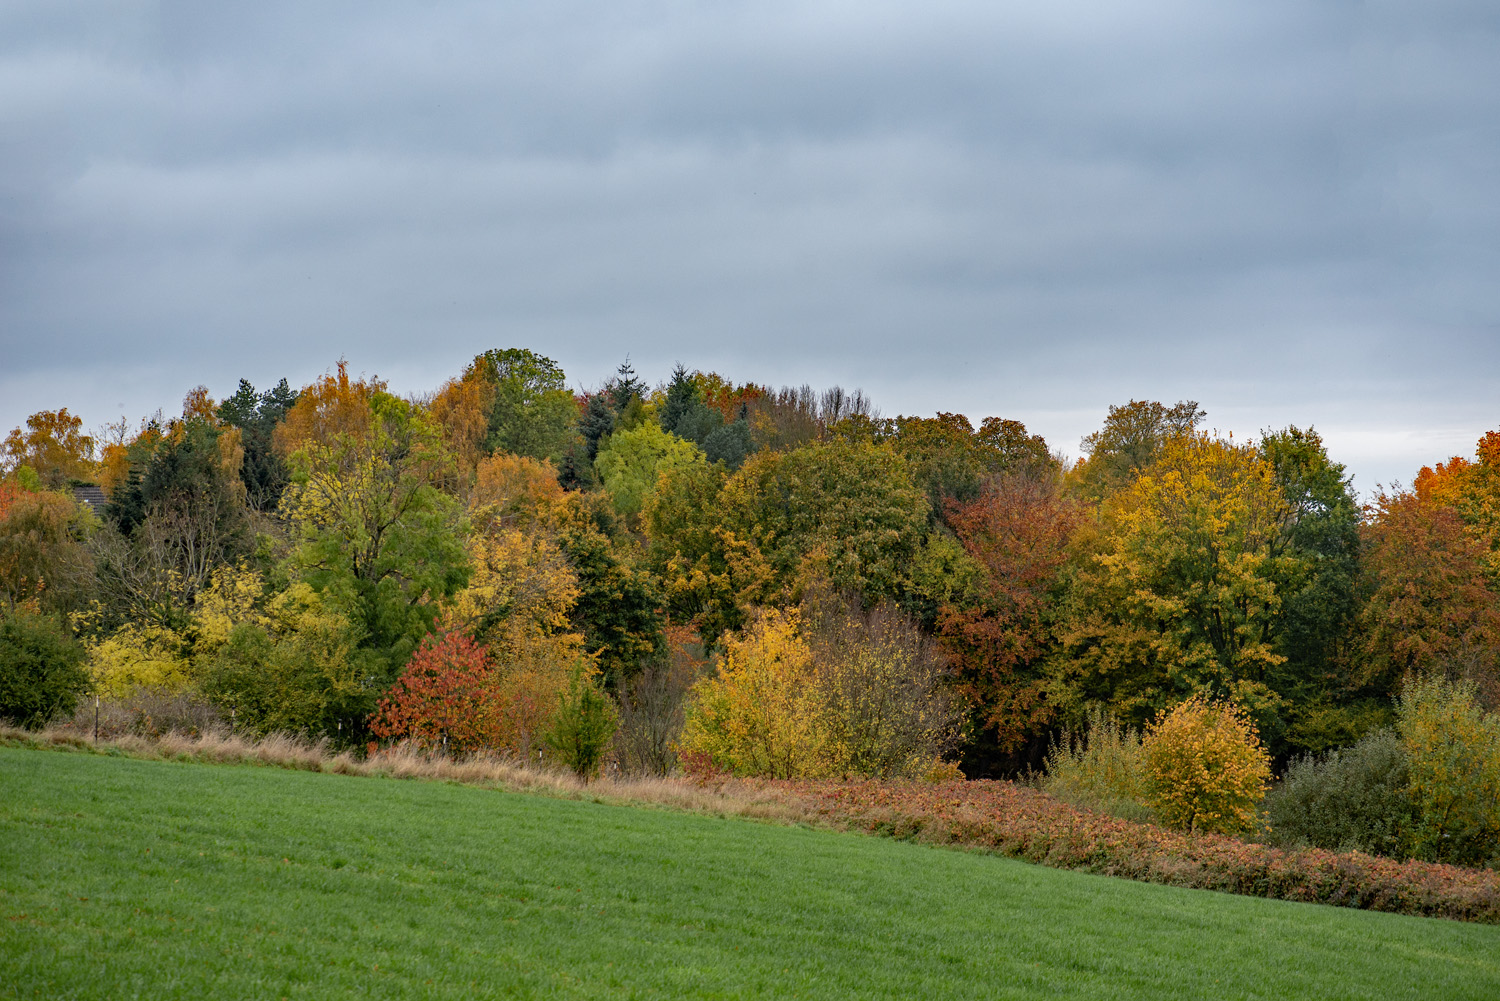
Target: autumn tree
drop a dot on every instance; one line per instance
(1130, 440)
(53, 445)
(1453, 750)
(824, 689)
(461, 408)
(298, 667)
(1018, 531)
(1472, 489)
(695, 558)
(732, 401)
(520, 581)
(41, 535)
(445, 698)
(1205, 767)
(1177, 594)
(371, 528)
(1429, 602)
(885, 706)
(793, 416)
(756, 715)
(515, 491)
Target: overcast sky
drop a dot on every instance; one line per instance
(1288, 211)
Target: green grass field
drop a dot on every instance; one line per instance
(137, 879)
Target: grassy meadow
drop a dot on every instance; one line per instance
(123, 878)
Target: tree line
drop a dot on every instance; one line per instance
(735, 576)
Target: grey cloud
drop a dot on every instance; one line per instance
(1035, 209)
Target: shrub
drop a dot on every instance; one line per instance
(585, 723)
(309, 680)
(1205, 767)
(755, 717)
(1454, 748)
(1022, 823)
(41, 669)
(1350, 799)
(826, 689)
(1104, 768)
(444, 697)
(882, 703)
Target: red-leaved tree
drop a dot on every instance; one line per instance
(1018, 531)
(448, 689)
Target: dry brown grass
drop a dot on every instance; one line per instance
(723, 797)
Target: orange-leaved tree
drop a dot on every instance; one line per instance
(1429, 601)
(1472, 490)
(53, 445)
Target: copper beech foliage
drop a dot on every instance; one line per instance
(1023, 823)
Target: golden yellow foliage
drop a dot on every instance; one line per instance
(331, 408)
(824, 689)
(532, 672)
(139, 655)
(756, 717)
(53, 445)
(516, 577)
(516, 490)
(1179, 593)
(1454, 752)
(1205, 767)
(233, 596)
(462, 409)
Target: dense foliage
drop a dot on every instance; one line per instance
(862, 595)
(41, 668)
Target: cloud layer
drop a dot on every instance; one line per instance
(1283, 210)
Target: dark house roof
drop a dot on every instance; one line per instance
(92, 496)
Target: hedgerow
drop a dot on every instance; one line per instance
(1023, 823)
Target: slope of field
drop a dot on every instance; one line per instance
(122, 878)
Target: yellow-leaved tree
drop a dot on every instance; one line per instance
(1454, 750)
(1205, 767)
(1176, 594)
(757, 715)
(824, 689)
